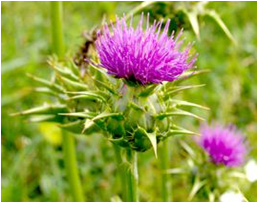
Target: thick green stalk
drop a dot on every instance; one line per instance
(164, 160)
(121, 170)
(57, 27)
(68, 139)
(131, 176)
(71, 167)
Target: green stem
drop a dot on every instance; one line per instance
(71, 167)
(164, 160)
(68, 139)
(131, 176)
(57, 27)
(120, 170)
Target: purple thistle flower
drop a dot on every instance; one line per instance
(225, 145)
(149, 56)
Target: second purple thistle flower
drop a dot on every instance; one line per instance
(142, 56)
(225, 145)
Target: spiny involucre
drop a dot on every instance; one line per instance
(225, 145)
(142, 56)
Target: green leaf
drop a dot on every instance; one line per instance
(139, 7)
(65, 72)
(180, 132)
(187, 75)
(196, 187)
(85, 97)
(102, 71)
(188, 149)
(176, 89)
(193, 18)
(175, 130)
(72, 84)
(117, 116)
(74, 68)
(45, 109)
(89, 97)
(136, 107)
(46, 90)
(120, 142)
(78, 114)
(110, 89)
(149, 90)
(87, 125)
(75, 127)
(222, 25)
(95, 93)
(90, 127)
(185, 103)
(177, 112)
(47, 83)
(152, 137)
(42, 118)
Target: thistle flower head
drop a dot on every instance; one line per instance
(225, 145)
(142, 56)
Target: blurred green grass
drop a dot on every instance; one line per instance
(26, 169)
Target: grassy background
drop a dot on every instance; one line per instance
(32, 168)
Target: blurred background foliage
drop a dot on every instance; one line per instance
(32, 167)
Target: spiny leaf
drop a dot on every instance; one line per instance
(75, 126)
(100, 93)
(72, 84)
(42, 118)
(176, 89)
(78, 114)
(46, 91)
(149, 90)
(180, 132)
(153, 139)
(45, 109)
(110, 89)
(188, 149)
(74, 68)
(191, 74)
(90, 96)
(220, 22)
(185, 103)
(88, 124)
(151, 136)
(118, 116)
(193, 18)
(90, 127)
(119, 142)
(175, 130)
(71, 71)
(48, 84)
(102, 71)
(136, 107)
(140, 7)
(196, 187)
(177, 112)
(65, 72)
